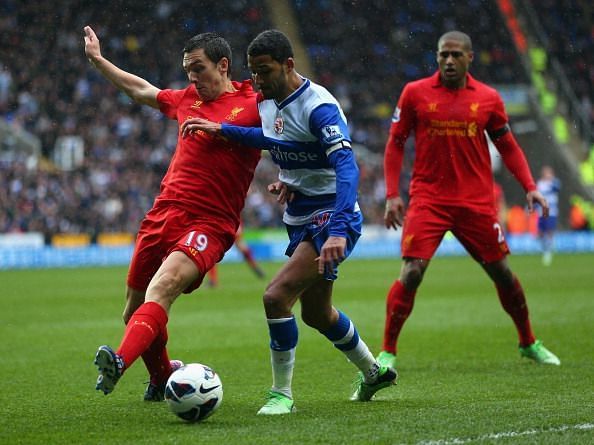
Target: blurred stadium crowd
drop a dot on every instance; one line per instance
(363, 51)
(569, 25)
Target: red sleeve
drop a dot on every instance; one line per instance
(169, 101)
(511, 153)
(402, 123)
(498, 117)
(515, 161)
(392, 165)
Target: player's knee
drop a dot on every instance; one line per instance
(411, 278)
(271, 302)
(505, 278)
(275, 304)
(166, 286)
(501, 274)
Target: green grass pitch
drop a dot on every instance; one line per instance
(461, 377)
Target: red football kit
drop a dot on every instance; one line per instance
(452, 182)
(203, 192)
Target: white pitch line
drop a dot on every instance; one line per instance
(507, 434)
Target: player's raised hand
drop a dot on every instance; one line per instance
(198, 124)
(536, 197)
(282, 192)
(394, 213)
(331, 253)
(92, 46)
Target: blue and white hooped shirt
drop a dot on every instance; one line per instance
(308, 138)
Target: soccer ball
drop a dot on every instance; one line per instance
(194, 392)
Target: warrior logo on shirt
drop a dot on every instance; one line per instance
(279, 125)
(197, 104)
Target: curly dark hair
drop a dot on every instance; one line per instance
(271, 42)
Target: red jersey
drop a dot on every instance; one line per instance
(452, 164)
(209, 176)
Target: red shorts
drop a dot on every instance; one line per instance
(477, 230)
(168, 229)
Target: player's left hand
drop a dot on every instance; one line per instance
(92, 46)
(198, 124)
(536, 197)
(282, 192)
(331, 254)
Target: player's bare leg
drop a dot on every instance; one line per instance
(134, 299)
(148, 324)
(399, 304)
(279, 298)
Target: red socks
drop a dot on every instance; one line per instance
(157, 361)
(399, 305)
(513, 301)
(146, 333)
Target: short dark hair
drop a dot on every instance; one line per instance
(458, 36)
(273, 43)
(215, 47)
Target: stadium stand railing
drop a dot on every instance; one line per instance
(578, 116)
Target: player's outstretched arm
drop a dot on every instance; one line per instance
(249, 136)
(198, 124)
(135, 87)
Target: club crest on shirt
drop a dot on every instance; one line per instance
(279, 125)
(233, 115)
(194, 132)
(396, 115)
(474, 108)
(321, 219)
(432, 107)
